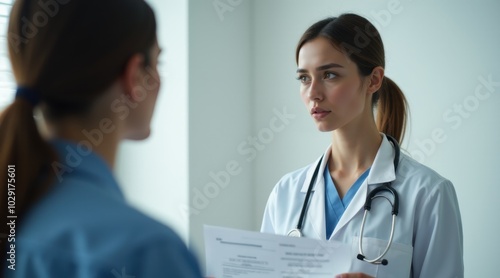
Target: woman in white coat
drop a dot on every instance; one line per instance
(341, 69)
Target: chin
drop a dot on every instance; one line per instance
(139, 135)
(325, 128)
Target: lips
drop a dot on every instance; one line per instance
(317, 109)
(319, 113)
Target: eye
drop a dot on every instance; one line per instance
(330, 75)
(304, 79)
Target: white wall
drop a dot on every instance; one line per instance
(435, 51)
(220, 101)
(154, 173)
(191, 172)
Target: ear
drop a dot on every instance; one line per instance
(131, 76)
(376, 78)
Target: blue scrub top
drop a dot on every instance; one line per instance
(84, 228)
(334, 205)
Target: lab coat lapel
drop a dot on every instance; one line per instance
(354, 207)
(314, 224)
(382, 170)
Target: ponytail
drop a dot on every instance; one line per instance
(391, 109)
(24, 167)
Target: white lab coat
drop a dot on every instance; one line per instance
(428, 238)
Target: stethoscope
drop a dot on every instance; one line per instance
(297, 232)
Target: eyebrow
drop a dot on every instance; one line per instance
(323, 67)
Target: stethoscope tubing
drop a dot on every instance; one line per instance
(377, 260)
(297, 231)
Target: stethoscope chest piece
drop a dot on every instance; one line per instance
(295, 233)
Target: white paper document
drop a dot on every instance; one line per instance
(244, 254)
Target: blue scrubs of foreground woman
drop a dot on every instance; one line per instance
(91, 66)
(341, 69)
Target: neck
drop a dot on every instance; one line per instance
(354, 149)
(101, 128)
(104, 144)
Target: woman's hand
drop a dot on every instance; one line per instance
(353, 275)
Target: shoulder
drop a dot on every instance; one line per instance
(158, 253)
(415, 176)
(112, 239)
(292, 181)
(410, 167)
(284, 200)
(150, 249)
(144, 245)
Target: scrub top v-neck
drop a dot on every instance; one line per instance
(334, 205)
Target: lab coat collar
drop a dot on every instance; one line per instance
(315, 215)
(311, 169)
(382, 169)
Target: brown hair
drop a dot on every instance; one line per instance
(68, 52)
(360, 40)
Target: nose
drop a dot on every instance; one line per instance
(315, 92)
